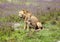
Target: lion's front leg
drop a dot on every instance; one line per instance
(25, 26)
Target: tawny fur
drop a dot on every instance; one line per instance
(30, 20)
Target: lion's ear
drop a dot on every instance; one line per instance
(25, 11)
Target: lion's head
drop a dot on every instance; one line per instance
(22, 13)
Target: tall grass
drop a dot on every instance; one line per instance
(50, 33)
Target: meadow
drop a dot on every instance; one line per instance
(50, 33)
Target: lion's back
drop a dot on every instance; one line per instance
(34, 19)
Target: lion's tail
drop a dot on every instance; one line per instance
(39, 25)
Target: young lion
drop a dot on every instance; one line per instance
(30, 20)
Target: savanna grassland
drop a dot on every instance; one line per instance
(50, 33)
(12, 32)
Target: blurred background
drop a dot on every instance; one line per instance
(13, 6)
(11, 26)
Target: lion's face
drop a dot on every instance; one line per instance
(22, 14)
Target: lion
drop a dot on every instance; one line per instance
(30, 20)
